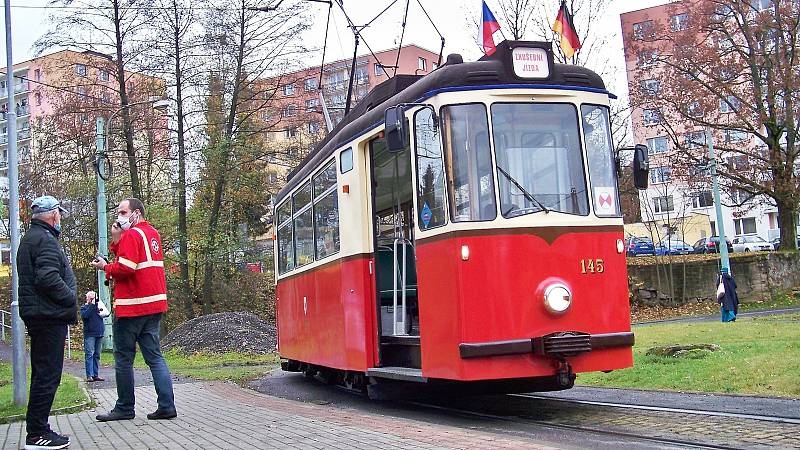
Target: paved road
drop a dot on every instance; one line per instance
(716, 318)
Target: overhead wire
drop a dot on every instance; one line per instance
(441, 50)
(402, 35)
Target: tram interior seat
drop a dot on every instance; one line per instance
(385, 269)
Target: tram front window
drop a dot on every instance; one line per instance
(539, 159)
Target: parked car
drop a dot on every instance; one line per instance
(751, 244)
(640, 246)
(776, 242)
(672, 246)
(710, 245)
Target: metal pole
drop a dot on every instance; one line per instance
(17, 327)
(723, 243)
(102, 225)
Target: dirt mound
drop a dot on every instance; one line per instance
(240, 332)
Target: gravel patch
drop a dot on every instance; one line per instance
(240, 332)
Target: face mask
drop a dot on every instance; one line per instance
(124, 222)
(57, 227)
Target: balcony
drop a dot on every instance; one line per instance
(22, 111)
(19, 88)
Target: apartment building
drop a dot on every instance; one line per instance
(680, 197)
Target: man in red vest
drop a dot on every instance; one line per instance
(140, 300)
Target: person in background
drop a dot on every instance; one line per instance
(140, 301)
(48, 303)
(727, 297)
(92, 313)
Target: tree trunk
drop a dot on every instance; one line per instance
(787, 221)
(127, 128)
(183, 234)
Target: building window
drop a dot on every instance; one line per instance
(647, 59)
(694, 109)
(745, 225)
(81, 91)
(290, 133)
(660, 174)
(679, 22)
(651, 116)
(663, 204)
(658, 144)
(435, 66)
(642, 30)
(737, 162)
(80, 70)
(695, 139)
(303, 225)
(651, 87)
(285, 237)
(735, 135)
(729, 104)
(702, 199)
(37, 74)
(422, 63)
(288, 90)
(313, 127)
(726, 73)
(38, 97)
(761, 5)
(103, 75)
(266, 115)
(379, 70)
(311, 105)
(289, 111)
(310, 84)
(739, 196)
(725, 44)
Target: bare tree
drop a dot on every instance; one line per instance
(108, 27)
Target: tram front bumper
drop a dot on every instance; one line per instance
(559, 345)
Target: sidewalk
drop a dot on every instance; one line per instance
(220, 415)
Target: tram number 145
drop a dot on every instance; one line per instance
(592, 266)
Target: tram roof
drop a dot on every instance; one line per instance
(495, 71)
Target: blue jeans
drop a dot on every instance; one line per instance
(143, 330)
(92, 345)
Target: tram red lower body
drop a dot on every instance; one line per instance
(493, 296)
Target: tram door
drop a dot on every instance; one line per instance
(395, 259)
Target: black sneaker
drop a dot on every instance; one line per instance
(48, 440)
(114, 415)
(160, 414)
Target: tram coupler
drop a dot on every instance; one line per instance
(565, 377)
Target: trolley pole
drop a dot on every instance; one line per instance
(102, 226)
(18, 361)
(723, 243)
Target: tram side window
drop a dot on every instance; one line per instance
(602, 166)
(326, 212)
(469, 163)
(430, 171)
(346, 160)
(303, 225)
(285, 241)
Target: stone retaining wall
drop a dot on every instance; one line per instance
(757, 277)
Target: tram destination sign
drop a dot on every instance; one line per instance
(530, 62)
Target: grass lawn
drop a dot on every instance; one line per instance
(236, 367)
(758, 356)
(69, 393)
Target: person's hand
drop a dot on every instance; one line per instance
(116, 232)
(98, 263)
(90, 297)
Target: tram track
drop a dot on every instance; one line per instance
(700, 412)
(613, 433)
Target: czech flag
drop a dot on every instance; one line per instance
(490, 26)
(566, 29)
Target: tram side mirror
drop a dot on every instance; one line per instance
(395, 129)
(641, 166)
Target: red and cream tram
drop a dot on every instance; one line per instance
(460, 230)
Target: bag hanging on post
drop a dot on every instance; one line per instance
(720, 289)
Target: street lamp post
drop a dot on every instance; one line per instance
(725, 264)
(103, 127)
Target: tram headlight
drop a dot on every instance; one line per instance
(557, 298)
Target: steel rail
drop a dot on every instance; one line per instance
(699, 412)
(674, 442)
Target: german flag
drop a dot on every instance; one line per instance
(566, 29)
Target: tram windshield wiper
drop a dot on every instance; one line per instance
(527, 194)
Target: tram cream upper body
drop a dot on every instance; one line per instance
(355, 206)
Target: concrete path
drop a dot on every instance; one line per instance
(716, 317)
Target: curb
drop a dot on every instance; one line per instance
(60, 411)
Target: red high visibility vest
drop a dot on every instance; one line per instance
(140, 285)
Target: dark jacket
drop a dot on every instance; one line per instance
(730, 300)
(47, 288)
(93, 325)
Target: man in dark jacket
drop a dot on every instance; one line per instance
(47, 304)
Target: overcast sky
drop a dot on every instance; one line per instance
(29, 22)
